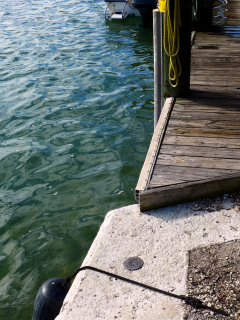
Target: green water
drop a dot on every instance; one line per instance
(76, 119)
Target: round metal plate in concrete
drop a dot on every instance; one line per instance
(133, 263)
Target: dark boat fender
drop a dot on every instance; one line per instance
(49, 299)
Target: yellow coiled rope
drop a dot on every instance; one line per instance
(171, 41)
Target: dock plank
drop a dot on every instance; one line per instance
(219, 116)
(205, 132)
(189, 173)
(188, 191)
(218, 124)
(199, 155)
(199, 141)
(198, 162)
(194, 151)
(167, 179)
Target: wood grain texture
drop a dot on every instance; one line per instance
(188, 191)
(154, 146)
(200, 152)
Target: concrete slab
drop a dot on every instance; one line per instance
(162, 239)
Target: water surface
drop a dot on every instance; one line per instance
(76, 119)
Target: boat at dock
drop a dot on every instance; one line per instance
(121, 9)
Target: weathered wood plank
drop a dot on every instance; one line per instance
(212, 50)
(191, 171)
(188, 191)
(154, 146)
(167, 176)
(199, 53)
(214, 42)
(208, 91)
(188, 105)
(166, 181)
(216, 124)
(198, 162)
(203, 102)
(212, 76)
(191, 115)
(213, 62)
(224, 81)
(205, 132)
(224, 153)
(216, 61)
(199, 141)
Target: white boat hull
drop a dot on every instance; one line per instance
(120, 10)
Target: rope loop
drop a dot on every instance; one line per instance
(171, 41)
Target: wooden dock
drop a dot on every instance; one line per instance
(195, 149)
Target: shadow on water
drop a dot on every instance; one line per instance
(142, 35)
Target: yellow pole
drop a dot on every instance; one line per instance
(162, 5)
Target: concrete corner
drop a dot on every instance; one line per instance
(162, 239)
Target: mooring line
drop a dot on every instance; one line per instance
(194, 302)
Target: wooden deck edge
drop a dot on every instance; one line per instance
(155, 144)
(188, 191)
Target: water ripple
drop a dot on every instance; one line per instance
(76, 118)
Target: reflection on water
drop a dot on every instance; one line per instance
(76, 118)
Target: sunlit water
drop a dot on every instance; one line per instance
(76, 118)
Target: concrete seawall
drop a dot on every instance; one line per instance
(162, 239)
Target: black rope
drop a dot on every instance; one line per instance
(194, 302)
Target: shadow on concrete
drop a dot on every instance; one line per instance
(199, 207)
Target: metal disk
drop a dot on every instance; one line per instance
(133, 263)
